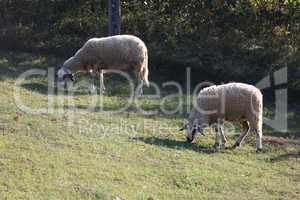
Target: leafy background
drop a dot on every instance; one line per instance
(220, 40)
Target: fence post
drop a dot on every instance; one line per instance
(114, 15)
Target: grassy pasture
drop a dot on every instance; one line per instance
(103, 155)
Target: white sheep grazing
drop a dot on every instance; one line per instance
(231, 102)
(120, 52)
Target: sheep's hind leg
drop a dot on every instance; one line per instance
(258, 140)
(245, 131)
(141, 83)
(139, 89)
(138, 92)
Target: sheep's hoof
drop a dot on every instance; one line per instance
(236, 145)
(102, 91)
(259, 150)
(138, 95)
(217, 146)
(188, 140)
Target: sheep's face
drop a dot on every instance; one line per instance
(190, 133)
(191, 130)
(64, 74)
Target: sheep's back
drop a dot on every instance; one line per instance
(118, 51)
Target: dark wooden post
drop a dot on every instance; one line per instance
(114, 15)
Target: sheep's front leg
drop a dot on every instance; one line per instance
(245, 131)
(102, 86)
(220, 136)
(92, 78)
(217, 144)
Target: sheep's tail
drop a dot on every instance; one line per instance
(145, 71)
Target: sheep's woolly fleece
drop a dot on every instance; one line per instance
(231, 102)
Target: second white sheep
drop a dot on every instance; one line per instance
(235, 102)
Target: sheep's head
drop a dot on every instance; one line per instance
(191, 129)
(64, 74)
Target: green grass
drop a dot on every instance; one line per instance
(46, 157)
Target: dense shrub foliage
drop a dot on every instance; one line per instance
(220, 40)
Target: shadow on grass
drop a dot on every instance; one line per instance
(174, 144)
(115, 89)
(116, 109)
(42, 88)
(290, 134)
(98, 109)
(36, 87)
(286, 157)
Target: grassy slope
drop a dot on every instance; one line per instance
(42, 157)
